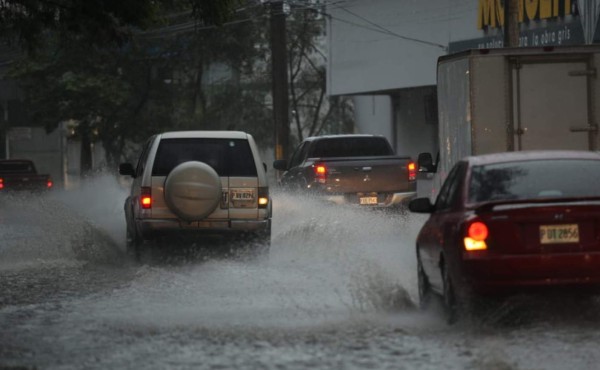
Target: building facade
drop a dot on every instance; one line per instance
(384, 53)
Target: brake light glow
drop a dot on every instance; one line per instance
(49, 184)
(412, 171)
(476, 235)
(146, 197)
(320, 172)
(1, 183)
(263, 197)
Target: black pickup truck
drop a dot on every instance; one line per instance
(20, 174)
(350, 169)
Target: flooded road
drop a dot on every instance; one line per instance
(337, 291)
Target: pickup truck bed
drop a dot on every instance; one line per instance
(348, 174)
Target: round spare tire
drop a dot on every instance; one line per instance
(193, 190)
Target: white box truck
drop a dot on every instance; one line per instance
(508, 99)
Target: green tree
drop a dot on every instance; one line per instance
(99, 21)
(312, 112)
(85, 64)
(181, 73)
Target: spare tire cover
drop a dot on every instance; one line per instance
(193, 190)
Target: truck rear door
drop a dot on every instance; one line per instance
(553, 103)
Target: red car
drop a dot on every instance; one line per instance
(511, 222)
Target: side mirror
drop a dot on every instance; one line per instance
(126, 169)
(421, 205)
(280, 164)
(425, 162)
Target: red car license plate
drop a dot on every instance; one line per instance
(556, 234)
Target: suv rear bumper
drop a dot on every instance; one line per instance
(150, 228)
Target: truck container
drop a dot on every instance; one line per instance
(513, 99)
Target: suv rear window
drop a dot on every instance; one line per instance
(229, 157)
(351, 147)
(562, 178)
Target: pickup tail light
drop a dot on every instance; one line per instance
(146, 197)
(320, 172)
(477, 233)
(412, 171)
(263, 197)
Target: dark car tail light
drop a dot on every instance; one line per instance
(49, 184)
(263, 197)
(412, 171)
(146, 197)
(321, 172)
(477, 233)
(1, 183)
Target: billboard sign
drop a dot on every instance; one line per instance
(541, 23)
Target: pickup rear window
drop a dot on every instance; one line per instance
(16, 167)
(228, 157)
(351, 147)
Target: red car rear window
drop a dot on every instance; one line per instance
(563, 178)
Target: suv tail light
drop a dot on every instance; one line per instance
(477, 232)
(320, 172)
(146, 197)
(263, 197)
(412, 171)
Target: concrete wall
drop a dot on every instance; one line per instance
(390, 44)
(415, 121)
(373, 114)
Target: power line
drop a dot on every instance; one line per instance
(389, 32)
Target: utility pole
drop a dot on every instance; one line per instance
(279, 79)
(511, 23)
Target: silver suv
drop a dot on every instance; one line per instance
(194, 183)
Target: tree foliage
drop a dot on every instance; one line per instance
(98, 21)
(312, 111)
(179, 72)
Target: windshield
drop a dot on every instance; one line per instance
(562, 178)
(228, 157)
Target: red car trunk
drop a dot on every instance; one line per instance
(545, 229)
(538, 245)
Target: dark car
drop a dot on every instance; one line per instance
(508, 223)
(21, 175)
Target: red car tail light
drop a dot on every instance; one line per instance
(320, 171)
(146, 197)
(263, 197)
(477, 232)
(412, 171)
